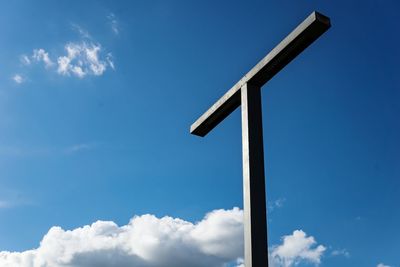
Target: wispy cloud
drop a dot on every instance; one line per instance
(79, 59)
(276, 204)
(80, 147)
(83, 59)
(45, 151)
(25, 60)
(24, 151)
(4, 204)
(17, 78)
(113, 23)
(382, 265)
(10, 198)
(82, 32)
(12, 203)
(110, 61)
(340, 252)
(40, 55)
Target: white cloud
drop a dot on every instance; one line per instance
(13, 202)
(25, 60)
(10, 198)
(110, 61)
(78, 71)
(240, 262)
(45, 151)
(278, 203)
(82, 32)
(63, 65)
(382, 265)
(83, 59)
(79, 147)
(41, 55)
(340, 252)
(113, 23)
(148, 241)
(18, 78)
(145, 241)
(297, 247)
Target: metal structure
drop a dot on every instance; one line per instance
(247, 93)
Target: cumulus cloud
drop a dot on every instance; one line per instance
(297, 247)
(18, 78)
(382, 265)
(145, 241)
(148, 241)
(240, 262)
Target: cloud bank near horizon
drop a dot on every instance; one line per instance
(148, 241)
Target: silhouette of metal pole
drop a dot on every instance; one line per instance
(247, 93)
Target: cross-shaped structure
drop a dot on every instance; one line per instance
(247, 93)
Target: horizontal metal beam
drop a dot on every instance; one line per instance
(299, 39)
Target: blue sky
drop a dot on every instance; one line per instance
(96, 100)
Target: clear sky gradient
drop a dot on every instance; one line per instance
(101, 131)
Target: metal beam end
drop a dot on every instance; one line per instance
(322, 18)
(194, 129)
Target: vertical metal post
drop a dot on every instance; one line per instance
(255, 223)
(247, 92)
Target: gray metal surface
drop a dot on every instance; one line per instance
(247, 92)
(254, 206)
(299, 39)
